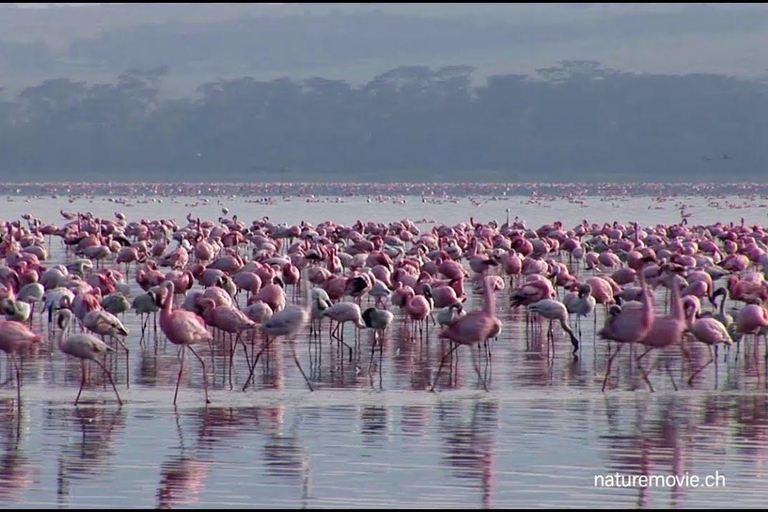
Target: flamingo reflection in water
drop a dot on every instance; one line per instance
(469, 446)
(16, 471)
(182, 477)
(97, 427)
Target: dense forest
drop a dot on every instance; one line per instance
(574, 121)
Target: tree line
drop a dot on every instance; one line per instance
(576, 121)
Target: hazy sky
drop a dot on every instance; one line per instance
(658, 38)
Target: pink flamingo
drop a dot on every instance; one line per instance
(248, 281)
(183, 328)
(343, 312)
(665, 330)
(286, 322)
(530, 292)
(85, 347)
(708, 331)
(474, 327)
(15, 337)
(272, 294)
(231, 320)
(418, 308)
(628, 324)
(555, 310)
(105, 323)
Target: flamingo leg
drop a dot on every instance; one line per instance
(256, 360)
(373, 350)
(381, 358)
(669, 372)
(18, 379)
(442, 361)
(127, 371)
(205, 377)
(298, 364)
(145, 321)
(643, 372)
(109, 375)
(608, 370)
(232, 347)
(476, 365)
(82, 380)
(341, 340)
(690, 381)
(181, 369)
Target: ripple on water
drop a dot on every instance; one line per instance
(372, 435)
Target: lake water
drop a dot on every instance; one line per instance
(372, 435)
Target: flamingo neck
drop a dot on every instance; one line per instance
(676, 306)
(490, 298)
(647, 305)
(722, 306)
(63, 330)
(167, 301)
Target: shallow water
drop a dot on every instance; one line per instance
(371, 434)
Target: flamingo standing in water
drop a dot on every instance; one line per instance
(378, 320)
(474, 327)
(231, 320)
(628, 324)
(183, 328)
(15, 337)
(343, 312)
(582, 304)
(709, 331)
(85, 347)
(106, 324)
(286, 322)
(665, 330)
(555, 310)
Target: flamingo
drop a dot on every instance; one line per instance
(709, 331)
(582, 305)
(418, 308)
(343, 312)
(145, 304)
(286, 322)
(628, 324)
(555, 310)
(106, 324)
(85, 347)
(183, 328)
(666, 330)
(448, 315)
(474, 327)
(320, 302)
(378, 320)
(228, 319)
(15, 338)
(15, 310)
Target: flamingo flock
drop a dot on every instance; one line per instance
(335, 192)
(217, 285)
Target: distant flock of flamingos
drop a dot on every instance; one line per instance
(206, 264)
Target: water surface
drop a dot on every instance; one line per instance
(371, 434)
